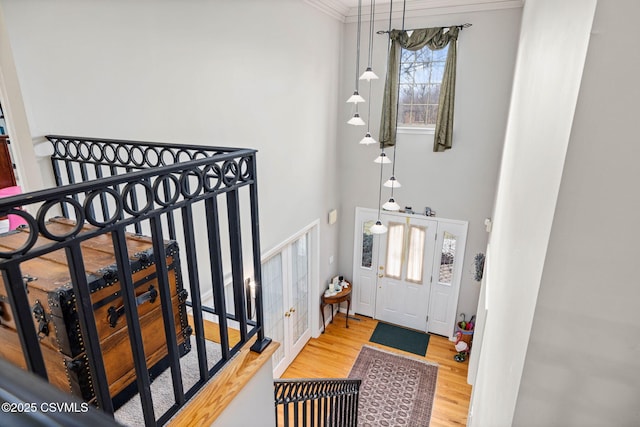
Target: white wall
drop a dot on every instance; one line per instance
(253, 406)
(582, 366)
(251, 74)
(551, 54)
(457, 184)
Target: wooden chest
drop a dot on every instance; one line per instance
(52, 300)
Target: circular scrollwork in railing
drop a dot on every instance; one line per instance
(131, 197)
(171, 187)
(191, 183)
(43, 214)
(152, 157)
(122, 154)
(212, 177)
(137, 156)
(246, 169)
(100, 199)
(30, 233)
(84, 151)
(72, 150)
(109, 152)
(183, 156)
(97, 152)
(60, 148)
(230, 173)
(167, 157)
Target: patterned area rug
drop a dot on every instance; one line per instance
(396, 390)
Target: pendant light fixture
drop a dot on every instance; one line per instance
(391, 205)
(356, 120)
(382, 158)
(392, 182)
(368, 74)
(368, 139)
(378, 228)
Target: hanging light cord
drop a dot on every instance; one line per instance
(373, 8)
(358, 43)
(388, 50)
(393, 168)
(371, 15)
(380, 191)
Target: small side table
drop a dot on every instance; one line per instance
(343, 295)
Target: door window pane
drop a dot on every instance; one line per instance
(395, 247)
(415, 256)
(300, 286)
(272, 295)
(367, 244)
(447, 258)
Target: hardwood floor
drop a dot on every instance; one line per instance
(333, 353)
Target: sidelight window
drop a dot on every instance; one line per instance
(447, 258)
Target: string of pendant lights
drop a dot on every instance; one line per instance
(356, 120)
(392, 182)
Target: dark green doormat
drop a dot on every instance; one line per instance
(403, 339)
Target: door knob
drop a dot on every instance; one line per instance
(287, 314)
(381, 275)
(292, 310)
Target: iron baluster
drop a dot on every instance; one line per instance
(88, 327)
(17, 296)
(194, 282)
(167, 309)
(133, 324)
(217, 272)
(235, 240)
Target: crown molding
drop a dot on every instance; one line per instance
(334, 8)
(342, 12)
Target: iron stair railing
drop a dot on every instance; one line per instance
(178, 192)
(317, 402)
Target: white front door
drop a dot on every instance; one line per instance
(406, 259)
(411, 275)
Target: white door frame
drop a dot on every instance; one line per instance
(313, 313)
(363, 214)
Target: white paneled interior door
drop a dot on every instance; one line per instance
(299, 313)
(286, 285)
(409, 276)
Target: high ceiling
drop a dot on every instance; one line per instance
(347, 10)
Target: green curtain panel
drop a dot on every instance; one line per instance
(434, 39)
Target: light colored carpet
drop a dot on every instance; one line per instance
(130, 414)
(396, 390)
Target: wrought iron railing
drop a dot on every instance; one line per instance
(317, 402)
(200, 201)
